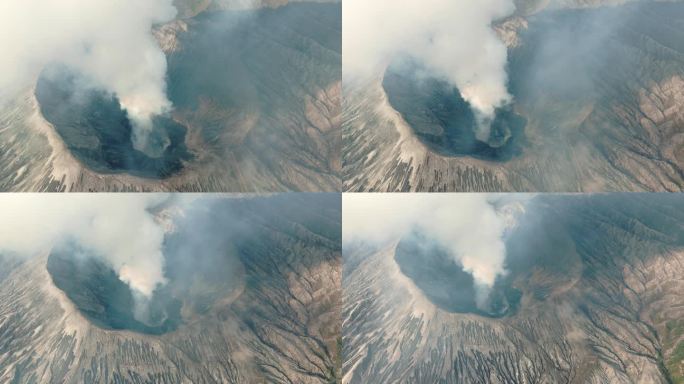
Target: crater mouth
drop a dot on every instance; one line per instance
(445, 122)
(444, 282)
(106, 301)
(202, 269)
(195, 286)
(98, 132)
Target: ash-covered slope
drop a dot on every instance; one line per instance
(256, 96)
(253, 296)
(599, 282)
(598, 90)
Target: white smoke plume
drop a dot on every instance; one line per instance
(119, 228)
(453, 38)
(108, 41)
(468, 225)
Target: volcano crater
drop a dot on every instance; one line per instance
(97, 292)
(99, 133)
(444, 121)
(447, 285)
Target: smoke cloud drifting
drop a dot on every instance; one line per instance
(119, 228)
(466, 224)
(454, 39)
(109, 42)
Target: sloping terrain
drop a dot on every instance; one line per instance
(598, 89)
(255, 298)
(600, 301)
(256, 96)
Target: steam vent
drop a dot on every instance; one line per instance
(342, 192)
